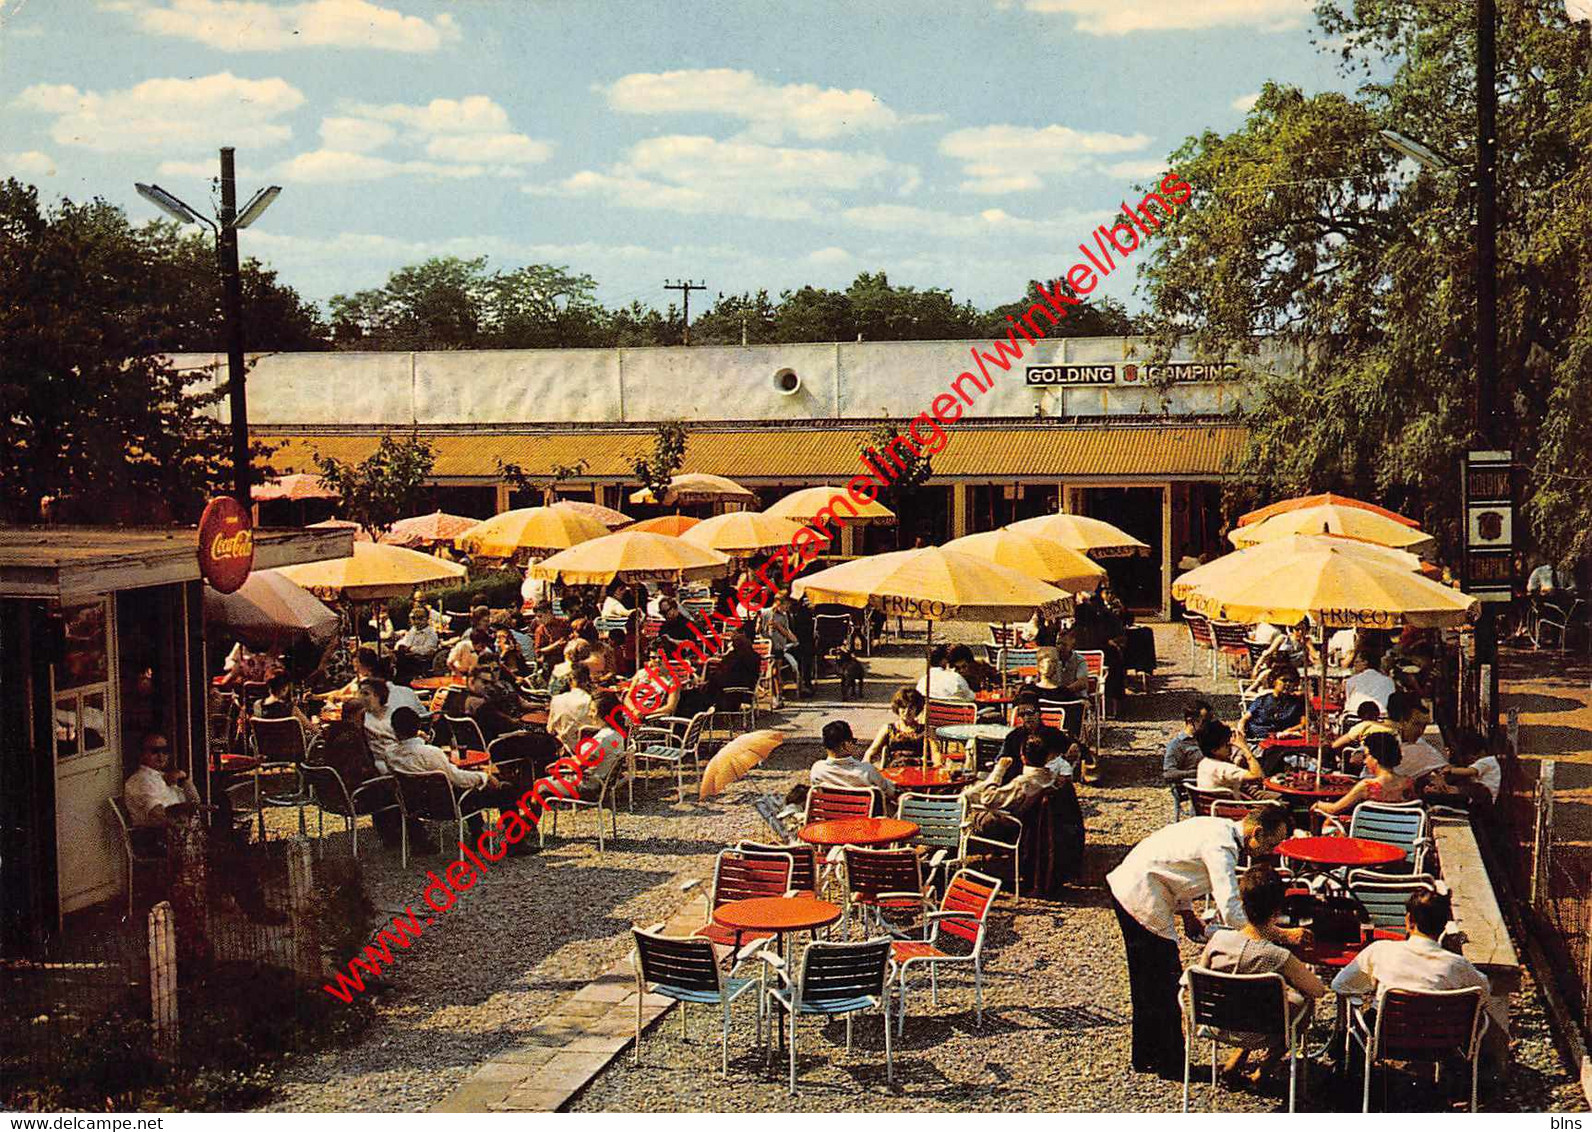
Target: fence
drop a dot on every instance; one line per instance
(217, 975)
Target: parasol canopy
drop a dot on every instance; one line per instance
(743, 533)
(297, 486)
(1331, 581)
(435, 529)
(1299, 503)
(632, 556)
(697, 487)
(934, 584)
(1333, 519)
(529, 532)
(607, 516)
(671, 525)
(270, 613)
(360, 534)
(1279, 554)
(1034, 555)
(1094, 537)
(803, 507)
(737, 757)
(374, 572)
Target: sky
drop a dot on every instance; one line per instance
(961, 144)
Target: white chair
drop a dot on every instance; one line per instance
(963, 913)
(836, 979)
(671, 739)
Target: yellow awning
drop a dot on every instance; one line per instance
(784, 453)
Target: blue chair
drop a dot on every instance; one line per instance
(939, 818)
(836, 979)
(686, 971)
(1403, 825)
(1383, 896)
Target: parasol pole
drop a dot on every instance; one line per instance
(1321, 722)
(928, 687)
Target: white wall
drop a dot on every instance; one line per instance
(845, 380)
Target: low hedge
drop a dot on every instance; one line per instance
(499, 589)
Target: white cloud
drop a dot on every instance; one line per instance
(476, 114)
(1136, 170)
(1244, 103)
(498, 149)
(355, 135)
(27, 165)
(1007, 159)
(770, 111)
(169, 114)
(1123, 17)
(330, 166)
(685, 173)
(252, 25)
(991, 223)
(830, 257)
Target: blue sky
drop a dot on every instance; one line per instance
(968, 144)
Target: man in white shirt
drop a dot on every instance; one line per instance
(534, 591)
(420, 639)
(569, 711)
(151, 788)
(1411, 719)
(1341, 646)
(1367, 683)
(1421, 963)
(943, 682)
(844, 766)
(1225, 765)
(1158, 882)
(411, 754)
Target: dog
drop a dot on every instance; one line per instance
(852, 674)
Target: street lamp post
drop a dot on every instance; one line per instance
(225, 228)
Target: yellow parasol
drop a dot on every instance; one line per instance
(632, 556)
(1093, 537)
(1284, 554)
(697, 487)
(1334, 519)
(375, 571)
(1299, 503)
(742, 533)
(1034, 555)
(803, 507)
(529, 532)
(607, 516)
(738, 757)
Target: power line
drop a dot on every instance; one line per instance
(685, 287)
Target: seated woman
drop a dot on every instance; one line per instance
(1383, 782)
(1280, 713)
(1257, 949)
(278, 702)
(576, 652)
(900, 741)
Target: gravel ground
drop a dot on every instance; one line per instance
(540, 927)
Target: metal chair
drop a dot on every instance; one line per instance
(947, 713)
(940, 818)
(835, 979)
(687, 971)
(431, 797)
(831, 633)
(1095, 659)
(832, 803)
(325, 788)
(1383, 895)
(280, 745)
(1002, 635)
(1216, 1004)
(881, 882)
(1402, 825)
(130, 852)
(1202, 799)
(1013, 847)
(672, 743)
(1064, 715)
(465, 732)
(743, 874)
(1555, 617)
(1200, 639)
(536, 748)
(804, 862)
(1423, 1026)
(962, 915)
(1015, 661)
(607, 777)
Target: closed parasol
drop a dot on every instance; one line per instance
(736, 759)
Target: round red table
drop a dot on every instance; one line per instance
(534, 718)
(995, 696)
(935, 778)
(1332, 787)
(1340, 852)
(858, 831)
(1336, 956)
(435, 683)
(468, 760)
(776, 914)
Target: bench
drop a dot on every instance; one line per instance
(1476, 910)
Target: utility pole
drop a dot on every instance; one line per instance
(1488, 432)
(232, 314)
(685, 287)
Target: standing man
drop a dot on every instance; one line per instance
(1159, 880)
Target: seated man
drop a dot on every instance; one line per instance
(569, 711)
(943, 682)
(493, 704)
(420, 640)
(1074, 675)
(844, 766)
(1421, 963)
(609, 754)
(413, 755)
(150, 789)
(549, 636)
(977, 674)
(1226, 764)
(1366, 684)
(1411, 719)
(1181, 759)
(993, 801)
(1278, 713)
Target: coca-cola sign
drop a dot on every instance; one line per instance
(226, 544)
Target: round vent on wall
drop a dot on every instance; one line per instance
(786, 382)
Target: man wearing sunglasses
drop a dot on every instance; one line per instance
(153, 787)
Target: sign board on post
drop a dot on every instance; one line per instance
(226, 544)
(1489, 501)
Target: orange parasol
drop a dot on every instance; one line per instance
(737, 758)
(672, 525)
(1326, 498)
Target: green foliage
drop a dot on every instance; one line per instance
(918, 470)
(524, 481)
(499, 589)
(386, 486)
(1308, 229)
(668, 453)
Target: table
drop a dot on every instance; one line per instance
(996, 696)
(1304, 788)
(1336, 956)
(935, 778)
(534, 718)
(1332, 856)
(858, 831)
(469, 760)
(435, 683)
(775, 915)
(968, 732)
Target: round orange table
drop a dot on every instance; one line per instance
(468, 760)
(435, 683)
(776, 914)
(858, 831)
(935, 778)
(534, 718)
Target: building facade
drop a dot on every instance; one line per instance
(1078, 424)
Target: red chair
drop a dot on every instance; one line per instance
(835, 803)
(741, 874)
(1200, 639)
(1232, 641)
(887, 883)
(962, 915)
(948, 713)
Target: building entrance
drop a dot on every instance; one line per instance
(1137, 510)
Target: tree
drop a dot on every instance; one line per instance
(92, 417)
(734, 317)
(668, 453)
(386, 486)
(1098, 318)
(919, 466)
(435, 305)
(1308, 230)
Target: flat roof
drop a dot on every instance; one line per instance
(69, 563)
